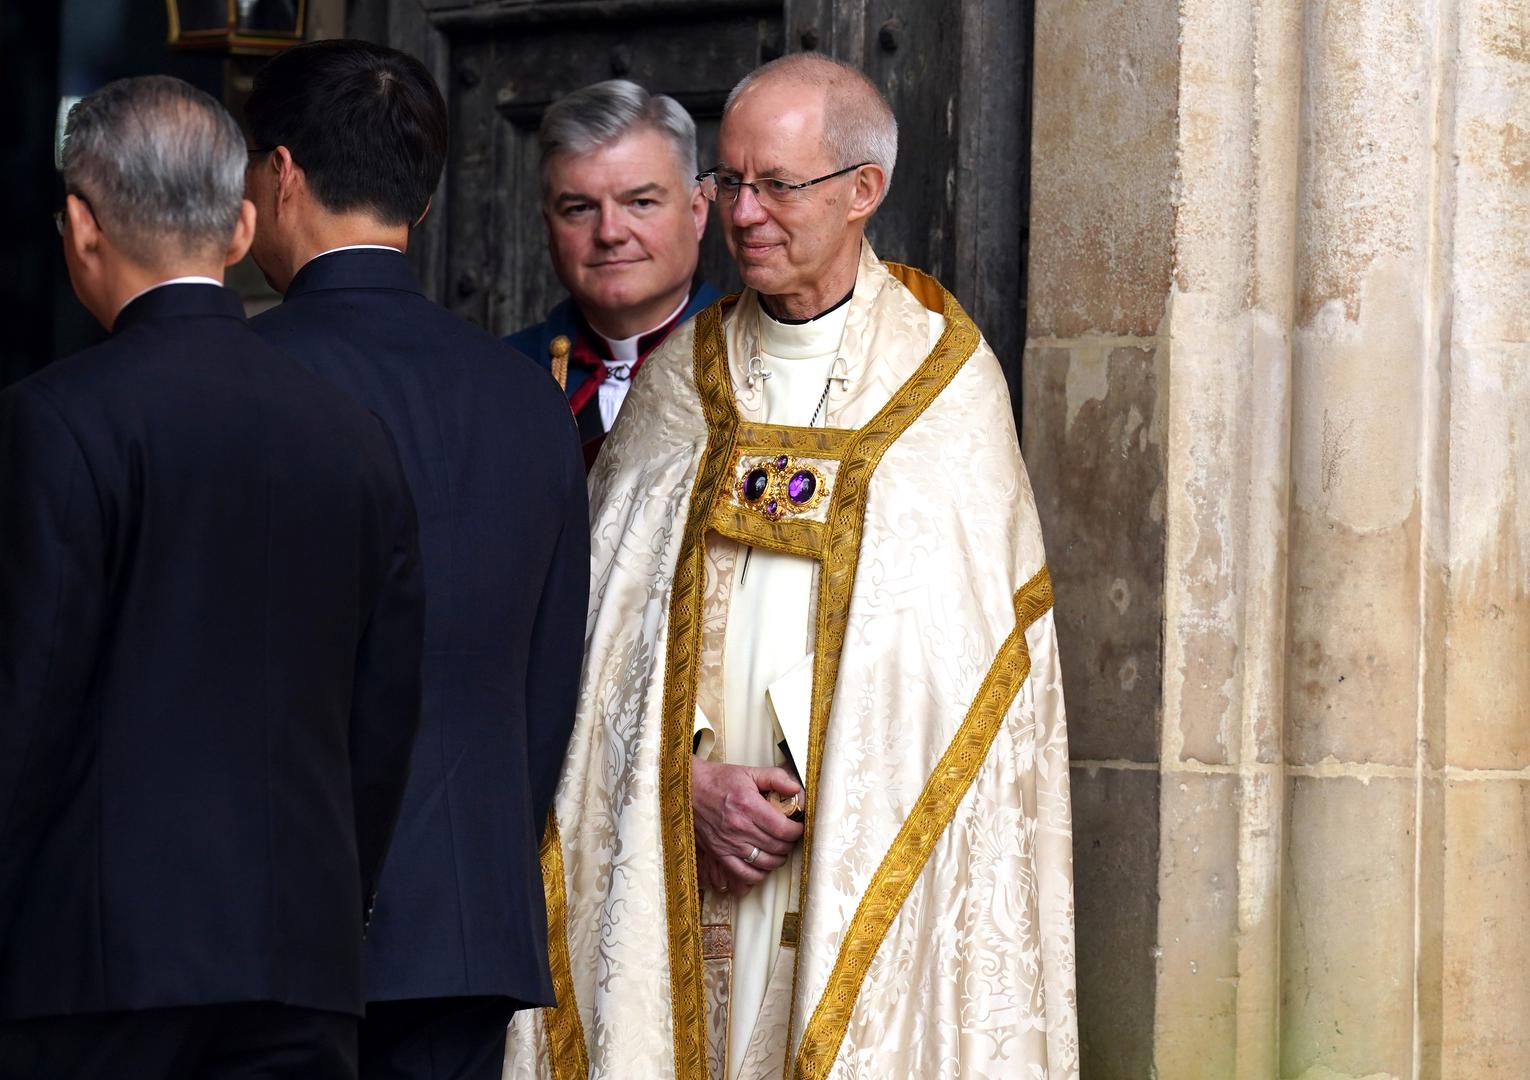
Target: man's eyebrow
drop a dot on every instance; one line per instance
(650, 188)
(769, 170)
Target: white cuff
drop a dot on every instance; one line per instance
(703, 736)
(791, 699)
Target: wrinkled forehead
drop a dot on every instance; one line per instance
(774, 128)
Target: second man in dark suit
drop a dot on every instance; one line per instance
(350, 139)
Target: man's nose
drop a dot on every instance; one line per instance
(746, 208)
(613, 227)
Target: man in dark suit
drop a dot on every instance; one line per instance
(350, 140)
(211, 617)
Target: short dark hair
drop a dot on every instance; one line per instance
(366, 124)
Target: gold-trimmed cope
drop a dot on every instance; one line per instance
(835, 542)
(910, 850)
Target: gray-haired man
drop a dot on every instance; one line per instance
(211, 620)
(624, 219)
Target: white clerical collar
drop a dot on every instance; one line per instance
(804, 340)
(189, 279)
(624, 351)
(357, 247)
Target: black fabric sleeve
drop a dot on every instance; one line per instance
(52, 584)
(385, 701)
(557, 641)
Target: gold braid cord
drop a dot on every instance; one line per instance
(911, 849)
(681, 678)
(565, 1033)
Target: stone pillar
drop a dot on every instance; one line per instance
(1476, 715)
(1339, 454)
(1093, 430)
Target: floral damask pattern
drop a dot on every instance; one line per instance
(974, 974)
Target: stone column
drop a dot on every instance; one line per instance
(1476, 712)
(1093, 432)
(1339, 448)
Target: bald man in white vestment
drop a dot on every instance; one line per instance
(814, 821)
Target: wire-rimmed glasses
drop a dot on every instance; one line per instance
(719, 183)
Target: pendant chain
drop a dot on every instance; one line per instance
(822, 398)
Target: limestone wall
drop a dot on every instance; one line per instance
(1277, 398)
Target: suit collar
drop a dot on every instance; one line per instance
(355, 268)
(180, 301)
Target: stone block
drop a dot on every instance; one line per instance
(1367, 162)
(1197, 1000)
(1487, 664)
(1347, 937)
(1102, 163)
(1352, 687)
(1484, 1033)
(1094, 452)
(1115, 885)
(1491, 220)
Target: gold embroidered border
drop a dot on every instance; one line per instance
(766, 439)
(791, 929)
(687, 972)
(847, 515)
(792, 537)
(716, 941)
(926, 822)
(565, 1032)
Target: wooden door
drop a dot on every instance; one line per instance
(501, 65)
(956, 71)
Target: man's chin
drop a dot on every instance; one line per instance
(762, 279)
(613, 299)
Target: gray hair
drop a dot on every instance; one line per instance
(602, 113)
(858, 124)
(160, 163)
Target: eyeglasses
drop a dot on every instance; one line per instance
(717, 184)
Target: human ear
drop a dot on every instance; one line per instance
(244, 233)
(699, 208)
(289, 176)
(84, 233)
(870, 182)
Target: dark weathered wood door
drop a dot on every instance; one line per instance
(956, 71)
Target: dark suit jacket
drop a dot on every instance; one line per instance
(493, 461)
(210, 634)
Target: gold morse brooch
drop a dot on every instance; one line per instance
(780, 486)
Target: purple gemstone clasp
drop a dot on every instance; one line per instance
(801, 487)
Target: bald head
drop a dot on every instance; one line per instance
(858, 124)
